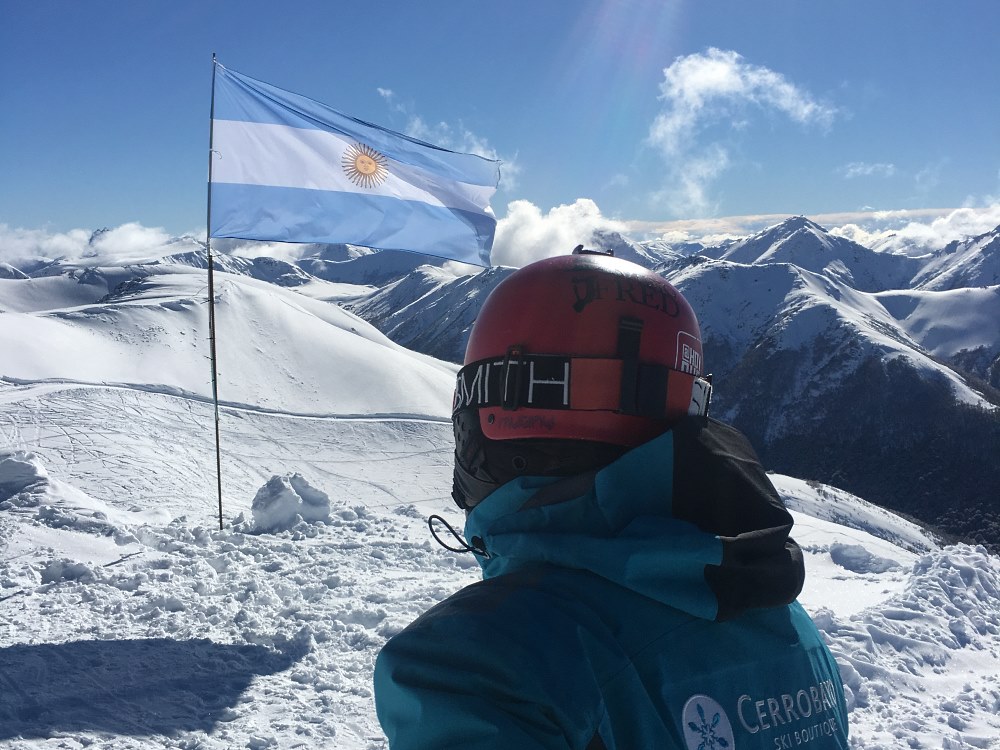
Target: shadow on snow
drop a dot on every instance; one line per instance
(130, 687)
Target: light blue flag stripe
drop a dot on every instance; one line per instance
(299, 215)
(281, 172)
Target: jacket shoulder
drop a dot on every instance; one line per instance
(493, 665)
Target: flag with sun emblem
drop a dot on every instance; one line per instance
(286, 168)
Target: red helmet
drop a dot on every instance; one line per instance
(583, 347)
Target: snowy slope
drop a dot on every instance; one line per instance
(974, 262)
(826, 328)
(151, 336)
(431, 310)
(947, 323)
(48, 292)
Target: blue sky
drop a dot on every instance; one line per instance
(653, 110)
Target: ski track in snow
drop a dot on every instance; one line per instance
(129, 620)
(107, 436)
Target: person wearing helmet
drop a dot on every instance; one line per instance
(639, 579)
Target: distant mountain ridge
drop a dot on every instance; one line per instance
(963, 263)
(805, 244)
(865, 369)
(7, 271)
(430, 310)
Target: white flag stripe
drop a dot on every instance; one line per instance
(251, 153)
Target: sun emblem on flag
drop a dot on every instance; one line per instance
(364, 166)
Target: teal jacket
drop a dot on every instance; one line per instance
(647, 605)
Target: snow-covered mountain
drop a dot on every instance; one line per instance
(829, 383)
(297, 264)
(888, 393)
(974, 262)
(650, 255)
(7, 271)
(130, 620)
(431, 310)
(264, 268)
(822, 352)
(958, 326)
(803, 243)
(144, 335)
(774, 311)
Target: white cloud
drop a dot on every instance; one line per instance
(864, 169)
(703, 87)
(688, 193)
(131, 240)
(717, 86)
(617, 181)
(928, 178)
(902, 231)
(526, 234)
(20, 245)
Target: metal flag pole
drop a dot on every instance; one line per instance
(211, 296)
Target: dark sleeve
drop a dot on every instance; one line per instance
(720, 486)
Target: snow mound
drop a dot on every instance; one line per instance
(286, 501)
(932, 645)
(20, 472)
(27, 490)
(71, 533)
(66, 570)
(857, 559)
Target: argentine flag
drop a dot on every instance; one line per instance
(286, 168)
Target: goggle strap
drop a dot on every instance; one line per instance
(542, 381)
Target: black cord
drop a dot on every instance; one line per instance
(475, 548)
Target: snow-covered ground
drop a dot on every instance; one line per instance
(129, 620)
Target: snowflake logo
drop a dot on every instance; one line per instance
(705, 724)
(709, 740)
